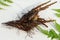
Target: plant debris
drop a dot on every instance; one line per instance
(31, 19)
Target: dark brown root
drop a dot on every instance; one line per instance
(31, 19)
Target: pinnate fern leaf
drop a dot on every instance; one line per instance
(3, 3)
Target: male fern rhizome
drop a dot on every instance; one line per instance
(31, 19)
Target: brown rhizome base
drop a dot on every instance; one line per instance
(31, 19)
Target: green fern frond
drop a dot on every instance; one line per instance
(2, 2)
(8, 1)
(1, 8)
(58, 12)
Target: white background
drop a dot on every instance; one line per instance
(22, 6)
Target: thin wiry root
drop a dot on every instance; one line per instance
(42, 4)
(39, 8)
(29, 33)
